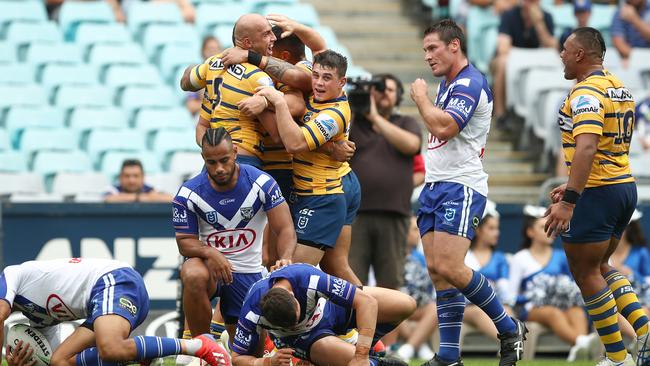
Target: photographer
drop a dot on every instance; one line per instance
(386, 143)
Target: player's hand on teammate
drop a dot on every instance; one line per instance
(21, 355)
(419, 89)
(558, 216)
(252, 106)
(280, 263)
(282, 357)
(288, 25)
(271, 94)
(233, 56)
(221, 266)
(557, 193)
(343, 150)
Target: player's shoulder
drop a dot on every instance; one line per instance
(254, 175)
(470, 77)
(194, 184)
(305, 65)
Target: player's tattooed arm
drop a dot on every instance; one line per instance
(288, 73)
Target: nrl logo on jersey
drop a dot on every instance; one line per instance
(211, 217)
(246, 213)
(307, 117)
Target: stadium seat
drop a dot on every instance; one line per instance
(53, 139)
(639, 61)
(165, 182)
(133, 98)
(16, 74)
(111, 162)
(45, 53)
(639, 165)
(21, 183)
(520, 61)
(12, 162)
(22, 11)
(5, 141)
(148, 120)
(175, 58)
(100, 141)
(103, 55)
(158, 35)
(223, 33)
(186, 163)
(90, 34)
(68, 96)
(119, 76)
(481, 22)
(23, 34)
(49, 163)
(532, 84)
(302, 13)
(357, 72)
(612, 60)
(601, 19)
(75, 13)
(7, 53)
(142, 14)
(21, 95)
(89, 118)
(209, 16)
(166, 142)
(77, 183)
(549, 105)
(36, 198)
(20, 118)
(53, 76)
(631, 78)
(563, 18)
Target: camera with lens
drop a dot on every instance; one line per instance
(359, 93)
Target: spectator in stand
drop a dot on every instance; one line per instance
(582, 12)
(132, 187)
(642, 123)
(386, 142)
(631, 27)
(541, 282)
(524, 26)
(483, 257)
(419, 327)
(210, 47)
(498, 6)
(193, 101)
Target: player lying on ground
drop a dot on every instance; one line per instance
(113, 299)
(304, 310)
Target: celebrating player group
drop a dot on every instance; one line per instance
(266, 225)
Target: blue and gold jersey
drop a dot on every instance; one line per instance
(275, 155)
(601, 105)
(224, 88)
(316, 173)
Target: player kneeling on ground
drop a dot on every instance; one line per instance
(113, 299)
(304, 310)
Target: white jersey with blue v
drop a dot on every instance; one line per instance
(468, 99)
(233, 221)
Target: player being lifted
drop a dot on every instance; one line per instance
(454, 197)
(219, 218)
(304, 309)
(113, 299)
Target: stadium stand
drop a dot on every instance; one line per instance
(75, 13)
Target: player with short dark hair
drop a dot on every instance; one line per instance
(593, 208)
(454, 196)
(304, 310)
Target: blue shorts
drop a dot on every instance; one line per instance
(231, 297)
(318, 219)
(352, 191)
(336, 321)
(121, 292)
(250, 160)
(284, 178)
(450, 207)
(601, 213)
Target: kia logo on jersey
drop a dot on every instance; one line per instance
(57, 309)
(232, 240)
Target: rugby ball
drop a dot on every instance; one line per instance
(35, 339)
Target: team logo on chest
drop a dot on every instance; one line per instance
(211, 217)
(246, 213)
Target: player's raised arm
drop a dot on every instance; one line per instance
(292, 137)
(439, 123)
(312, 39)
(193, 78)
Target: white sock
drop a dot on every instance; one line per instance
(192, 346)
(406, 351)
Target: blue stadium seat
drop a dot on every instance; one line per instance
(133, 98)
(223, 33)
(100, 141)
(90, 34)
(75, 13)
(12, 161)
(124, 75)
(185, 163)
(20, 118)
(48, 163)
(16, 74)
(85, 120)
(480, 22)
(563, 18)
(81, 183)
(158, 35)
(141, 14)
(68, 97)
(21, 95)
(151, 120)
(40, 139)
(8, 53)
(53, 76)
(23, 34)
(302, 13)
(111, 162)
(601, 17)
(5, 143)
(165, 142)
(103, 55)
(21, 11)
(175, 58)
(44, 53)
(266, 2)
(209, 16)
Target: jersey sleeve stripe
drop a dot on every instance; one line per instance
(564, 114)
(588, 122)
(246, 76)
(466, 96)
(610, 134)
(236, 90)
(592, 89)
(206, 109)
(230, 106)
(313, 136)
(345, 123)
(196, 71)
